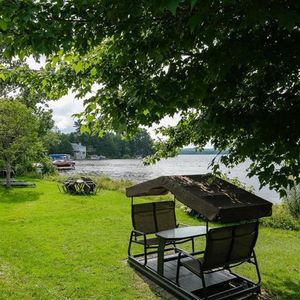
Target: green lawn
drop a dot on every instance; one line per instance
(56, 246)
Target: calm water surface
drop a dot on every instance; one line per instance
(134, 170)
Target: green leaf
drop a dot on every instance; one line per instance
(60, 52)
(194, 21)
(22, 54)
(55, 60)
(193, 3)
(90, 118)
(172, 6)
(44, 83)
(78, 67)
(84, 128)
(3, 25)
(93, 71)
(2, 76)
(68, 58)
(146, 112)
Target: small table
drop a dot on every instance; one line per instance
(175, 234)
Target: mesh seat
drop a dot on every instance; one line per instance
(226, 247)
(229, 245)
(193, 265)
(149, 218)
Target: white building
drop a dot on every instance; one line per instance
(79, 151)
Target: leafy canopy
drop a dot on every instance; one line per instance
(229, 68)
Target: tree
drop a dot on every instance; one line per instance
(60, 143)
(141, 144)
(14, 86)
(18, 135)
(230, 69)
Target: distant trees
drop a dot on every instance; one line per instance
(110, 145)
(60, 143)
(19, 142)
(141, 144)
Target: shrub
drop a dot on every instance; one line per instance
(292, 200)
(281, 218)
(108, 183)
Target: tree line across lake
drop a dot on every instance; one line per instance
(111, 145)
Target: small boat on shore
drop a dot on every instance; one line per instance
(97, 157)
(63, 162)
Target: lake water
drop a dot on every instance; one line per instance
(134, 170)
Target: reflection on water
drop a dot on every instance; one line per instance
(134, 170)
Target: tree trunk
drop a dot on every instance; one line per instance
(8, 175)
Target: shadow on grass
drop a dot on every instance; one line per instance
(285, 289)
(155, 288)
(17, 195)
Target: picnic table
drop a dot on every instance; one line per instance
(80, 186)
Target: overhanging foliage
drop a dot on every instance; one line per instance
(231, 69)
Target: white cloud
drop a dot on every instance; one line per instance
(166, 121)
(63, 109)
(34, 64)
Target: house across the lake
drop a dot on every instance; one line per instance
(79, 151)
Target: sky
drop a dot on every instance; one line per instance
(63, 109)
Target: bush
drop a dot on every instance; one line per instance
(292, 200)
(281, 218)
(108, 183)
(42, 166)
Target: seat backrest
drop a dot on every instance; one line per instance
(154, 216)
(228, 245)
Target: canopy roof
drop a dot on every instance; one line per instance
(212, 197)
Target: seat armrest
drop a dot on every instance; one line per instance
(183, 253)
(186, 254)
(182, 225)
(138, 232)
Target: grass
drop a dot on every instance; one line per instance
(57, 246)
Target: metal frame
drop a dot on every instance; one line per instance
(136, 233)
(184, 294)
(254, 289)
(133, 239)
(235, 291)
(244, 287)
